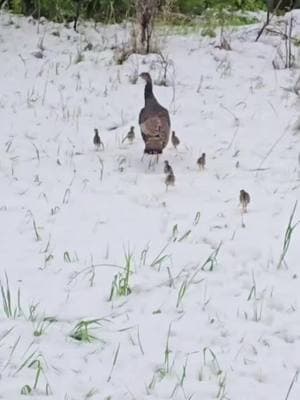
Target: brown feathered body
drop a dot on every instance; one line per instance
(244, 200)
(97, 140)
(170, 180)
(154, 121)
(202, 161)
(167, 168)
(175, 140)
(131, 134)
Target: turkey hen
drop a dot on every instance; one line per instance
(154, 121)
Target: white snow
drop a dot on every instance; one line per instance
(236, 330)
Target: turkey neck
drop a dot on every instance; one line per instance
(149, 96)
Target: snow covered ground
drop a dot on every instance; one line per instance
(210, 313)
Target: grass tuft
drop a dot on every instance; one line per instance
(39, 365)
(287, 237)
(82, 330)
(158, 260)
(120, 285)
(211, 262)
(10, 309)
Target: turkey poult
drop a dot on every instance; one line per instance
(170, 180)
(167, 168)
(244, 200)
(97, 140)
(154, 121)
(202, 161)
(175, 140)
(130, 135)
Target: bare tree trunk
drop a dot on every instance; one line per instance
(77, 14)
(146, 11)
(270, 4)
(284, 5)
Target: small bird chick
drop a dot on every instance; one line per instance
(175, 140)
(97, 140)
(244, 200)
(170, 180)
(131, 135)
(167, 168)
(202, 161)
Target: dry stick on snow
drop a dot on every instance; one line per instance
(37, 236)
(200, 84)
(101, 168)
(66, 197)
(236, 119)
(24, 63)
(296, 87)
(36, 151)
(45, 88)
(233, 138)
(114, 362)
(268, 20)
(282, 34)
(271, 149)
(295, 377)
(8, 145)
(12, 350)
(273, 109)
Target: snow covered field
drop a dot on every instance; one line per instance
(209, 311)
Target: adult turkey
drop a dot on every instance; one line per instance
(154, 120)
